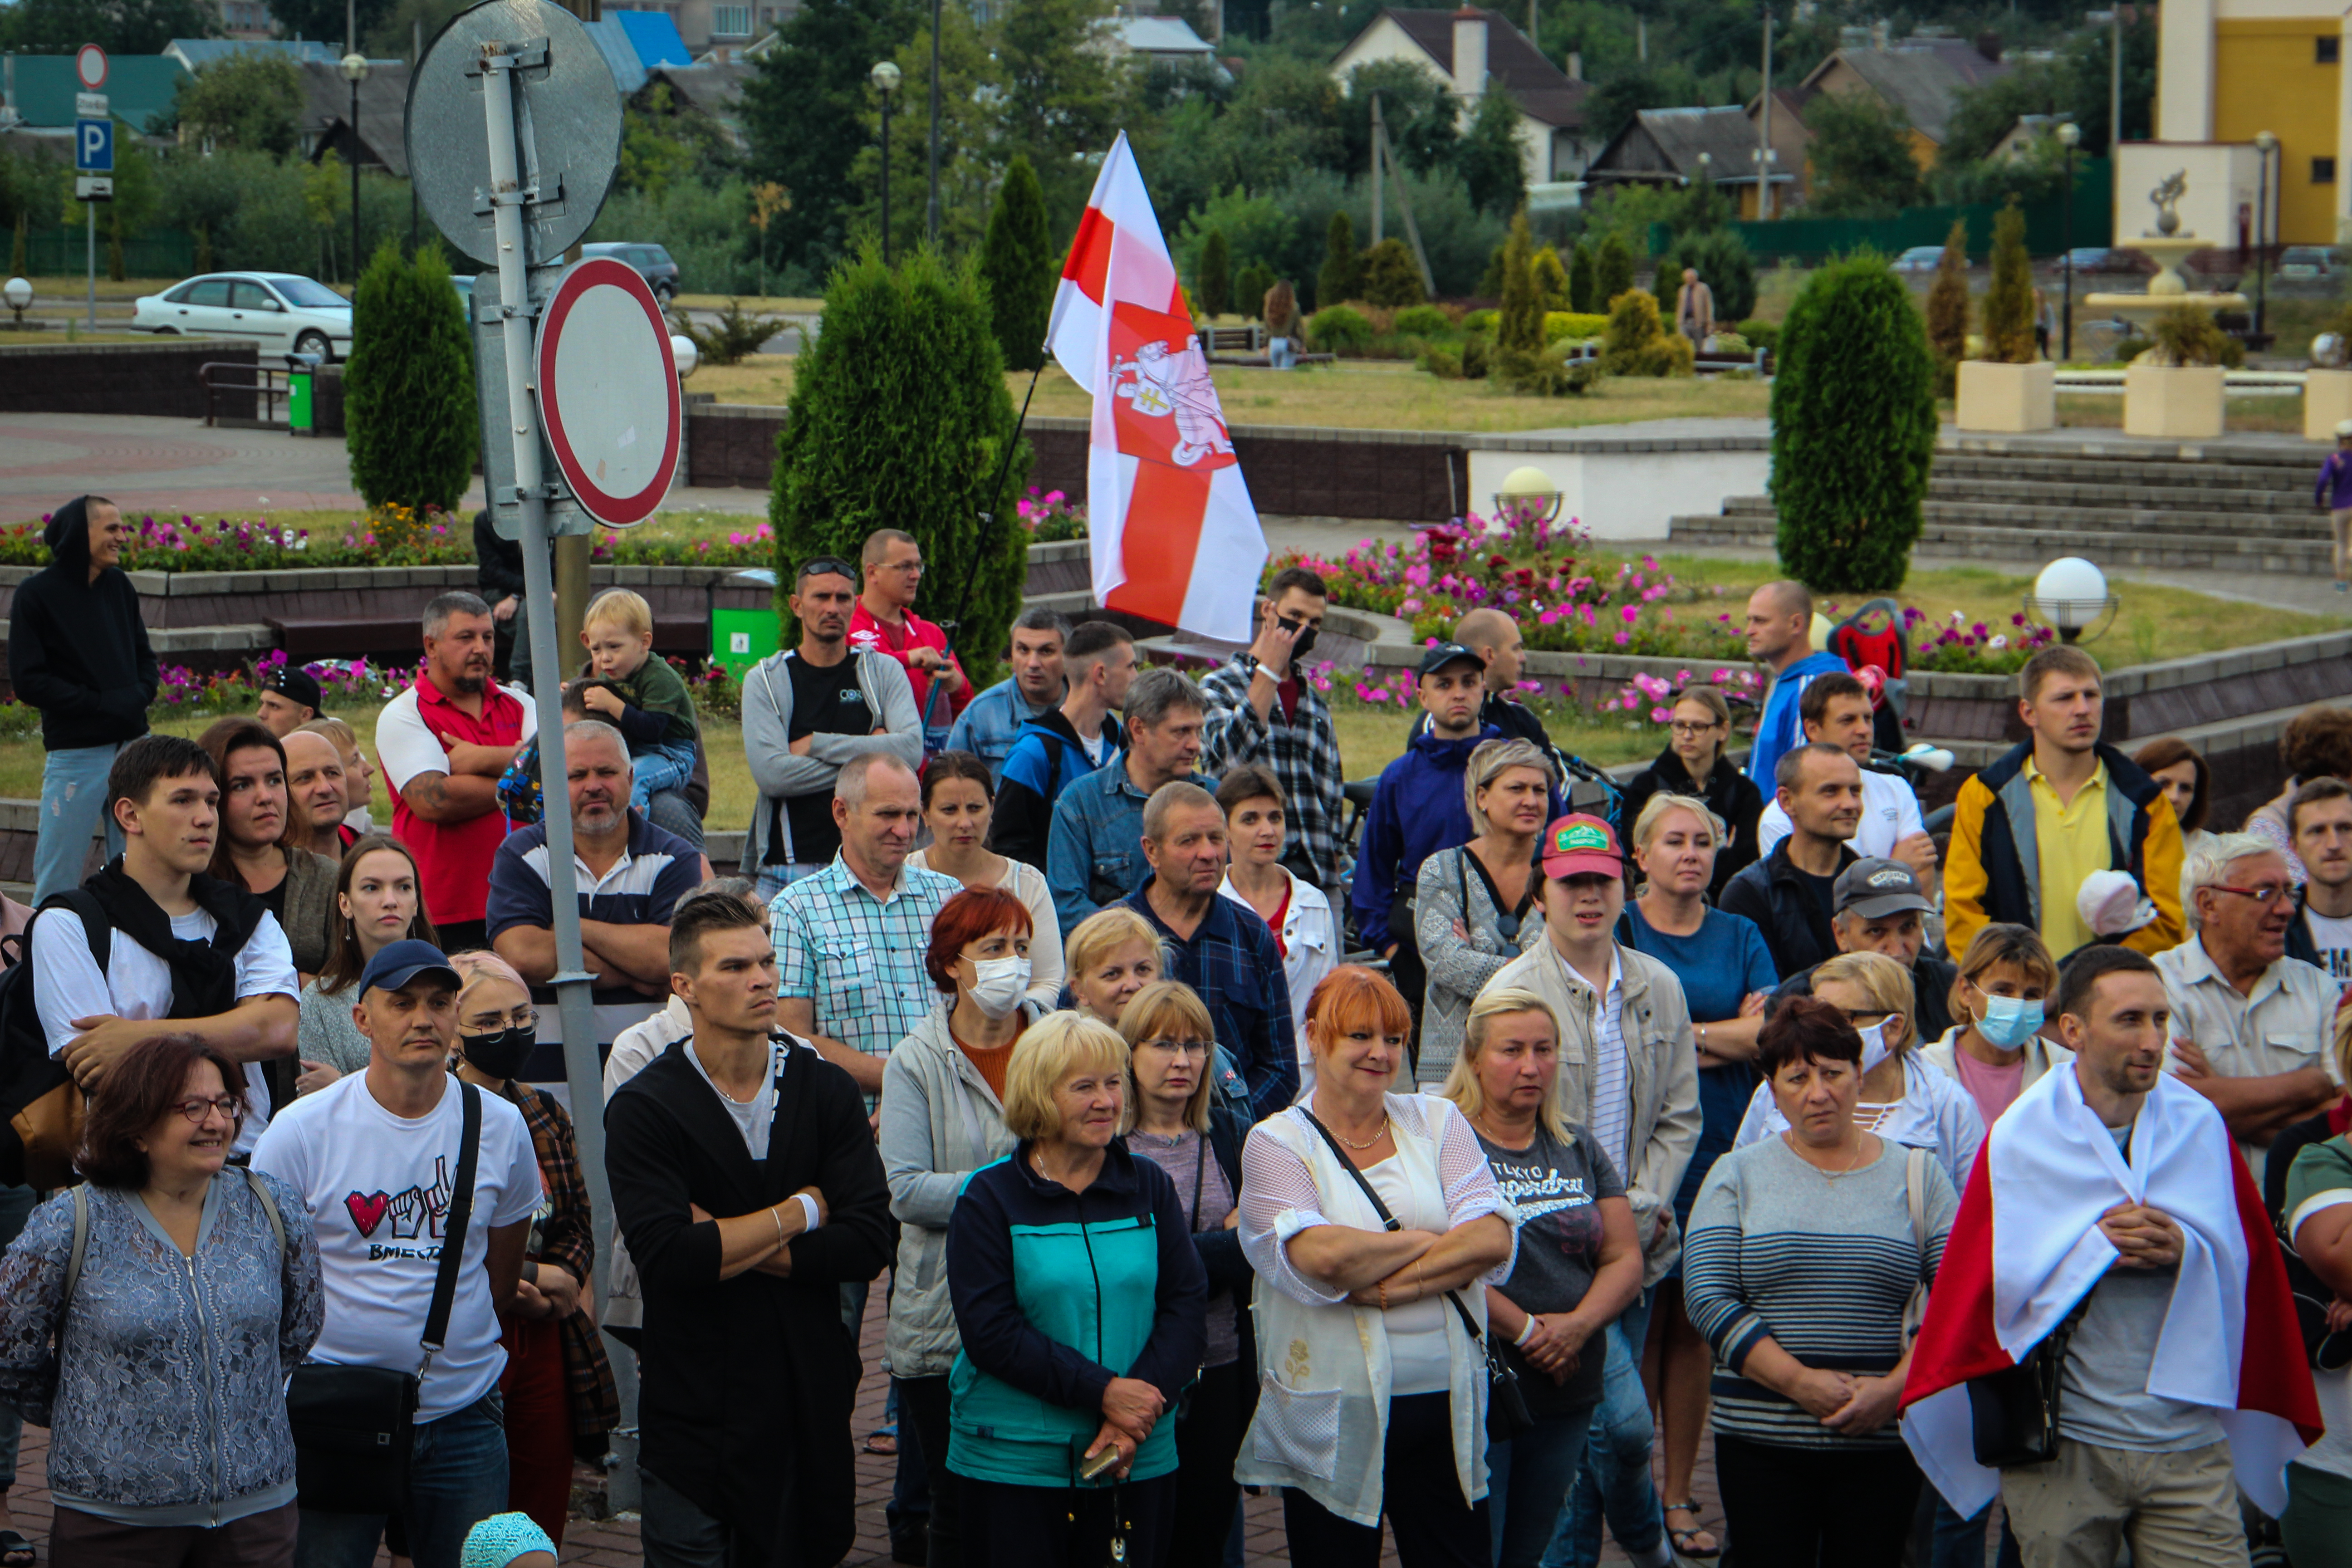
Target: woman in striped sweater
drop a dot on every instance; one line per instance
(1803, 1252)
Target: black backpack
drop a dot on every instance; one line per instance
(42, 1104)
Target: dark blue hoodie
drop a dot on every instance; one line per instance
(1417, 810)
(76, 649)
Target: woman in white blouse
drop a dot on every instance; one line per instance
(1297, 912)
(958, 798)
(1352, 1312)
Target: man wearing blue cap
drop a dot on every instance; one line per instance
(379, 1157)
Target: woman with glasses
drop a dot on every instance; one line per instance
(942, 1119)
(558, 1384)
(1727, 973)
(1180, 1128)
(1478, 906)
(377, 902)
(1692, 764)
(160, 1368)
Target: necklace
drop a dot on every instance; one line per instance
(1790, 1138)
(1367, 1142)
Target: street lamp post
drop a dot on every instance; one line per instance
(355, 71)
(885, 77)
(2069, 134)
(931, 215)
(2266, 143)
(2112, 20)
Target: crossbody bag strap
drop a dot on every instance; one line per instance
(80, 1244)
(453, 1231)
(1387, 1220)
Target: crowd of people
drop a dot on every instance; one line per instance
(1434, 1180)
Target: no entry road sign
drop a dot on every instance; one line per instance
(89, 66)
(607, 388)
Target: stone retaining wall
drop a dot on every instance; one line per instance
(157, 378)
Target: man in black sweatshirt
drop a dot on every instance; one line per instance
(77, 651)
(498, 572)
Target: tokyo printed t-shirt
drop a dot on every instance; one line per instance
(1557, 1187)
(379, 1187)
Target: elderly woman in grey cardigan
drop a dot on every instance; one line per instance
(1481, 906)
(178, 1296)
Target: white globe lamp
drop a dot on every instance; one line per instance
(2071, 595)
(18, 293)
(1529, 492)
(689, 357)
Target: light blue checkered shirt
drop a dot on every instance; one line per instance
(859, 959)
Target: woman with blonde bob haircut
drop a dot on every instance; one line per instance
(1375, 1226)
(1479, 906)
(1111, 955)
(1077, 1341)
(1578, 1263)
(1180, 1126)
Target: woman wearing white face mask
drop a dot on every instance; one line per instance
(942, 1118)
(959, 799)
(1996, 1050)
(1901, 1098)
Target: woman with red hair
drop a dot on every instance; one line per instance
(943, 1117)
(1374, 1223)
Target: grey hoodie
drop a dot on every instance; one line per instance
(768, 732)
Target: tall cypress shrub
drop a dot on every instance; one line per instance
(1214, 286)
(898, 419)
(1019, 267)
(1519, 326)
(2009, 300)
(408, 389)
(1612, 269)
(1580, 282)
(1948, 299)
(1341, 278)
(1853, 428)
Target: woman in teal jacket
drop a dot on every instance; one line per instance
(1082, 1305)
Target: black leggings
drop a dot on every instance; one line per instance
(923, 1406)
(1787, 1507)
(1207, 1440)
(1435, 1528)
(1064, 1527)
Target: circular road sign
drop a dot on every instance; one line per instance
(567, 128)
(607, 387)
(89, 65)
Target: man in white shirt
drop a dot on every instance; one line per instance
(1836, 709)
(377, 1156)
(2319, 824)
(2251, 1026)
(185, 953)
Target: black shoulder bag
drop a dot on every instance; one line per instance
(1507, 1407)
(354, 1427)
(2013, 1414)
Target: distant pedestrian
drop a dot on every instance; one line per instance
(1694, 309)
(78, 652)
(1779, 637)
(2334, 492)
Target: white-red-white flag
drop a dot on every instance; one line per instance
(1173, 534)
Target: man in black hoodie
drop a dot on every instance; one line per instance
(78, 652)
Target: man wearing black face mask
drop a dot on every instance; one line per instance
(1264, 708)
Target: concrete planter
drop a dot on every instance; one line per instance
(2173, 402)
(2327, 401)
(2008, 399)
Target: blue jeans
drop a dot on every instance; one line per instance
(1960, 1543)
(1527, 1485)
(73, 804)
(774, 880)
(456, 1478)
(1614, 1481)
(665, 766)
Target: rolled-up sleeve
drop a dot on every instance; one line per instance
(1278, 1201)
(1471, 1193)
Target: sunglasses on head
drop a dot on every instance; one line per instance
(827, 566)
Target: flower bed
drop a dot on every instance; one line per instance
(1051, 516)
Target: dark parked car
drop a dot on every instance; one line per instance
(2100, 258)
(652, 262)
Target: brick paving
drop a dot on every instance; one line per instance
(613, 1542)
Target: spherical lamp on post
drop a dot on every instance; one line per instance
(355, 71)
(884, 78)
(1528, 493)
(2070, 595)
(19, 294)
(2070, 135)
(2266, 143)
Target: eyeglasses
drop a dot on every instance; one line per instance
(520, 1018)
(1183, 1048)
(196, 1108)
(908, 567)
(1690, 727)
(2263, 897)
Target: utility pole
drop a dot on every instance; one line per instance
(1378, 137)
(932, 219)
(1764, 130)
(1642, 39)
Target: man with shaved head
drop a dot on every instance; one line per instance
(315, 797)
(1781, 638)
(1494, 638)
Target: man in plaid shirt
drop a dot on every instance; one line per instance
(1262, 711)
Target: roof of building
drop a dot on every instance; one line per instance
(1165, 36)
(384, 112)
(195, 54)
(1921, 77)
(1542, 90)
(655, 37)
(139, 89)
(1666, 144)
(612, 41)
(715, 89)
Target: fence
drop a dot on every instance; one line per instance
(2046, 233)
(159, 253)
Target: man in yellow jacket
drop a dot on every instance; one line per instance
(2028, 829)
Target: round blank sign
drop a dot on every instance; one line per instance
(89, 66)
(607, 386)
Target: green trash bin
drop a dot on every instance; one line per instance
(298, 402)
(742, 639)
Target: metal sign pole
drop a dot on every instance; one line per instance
(574, 1004)
(90, 208)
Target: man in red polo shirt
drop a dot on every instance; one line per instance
(885, 621)
(442, 743)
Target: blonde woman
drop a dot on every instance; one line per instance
(1111, 955)
(1079, 1342)
(1578, 1263)
(1698, 732)
(1182, 1127)
(1997, 1051)
(1900, 1097)
(1478, 906)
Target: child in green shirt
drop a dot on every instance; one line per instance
(647, 702)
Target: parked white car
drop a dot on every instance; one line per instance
(276, 311)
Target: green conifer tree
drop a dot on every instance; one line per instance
(1213, 288)
(1341, 279)
(1018, 267)
(409, 417)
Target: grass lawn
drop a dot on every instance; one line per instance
(752, 304)
(2105, 411)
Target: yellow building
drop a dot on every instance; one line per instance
(2227, 71)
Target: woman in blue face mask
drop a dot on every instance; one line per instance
(1996, 1049)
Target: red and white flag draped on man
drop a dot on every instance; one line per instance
(1173, 534)
(2025, 1248)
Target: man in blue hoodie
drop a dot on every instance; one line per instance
(1418, 807)
(1781, 638)
(78, 652)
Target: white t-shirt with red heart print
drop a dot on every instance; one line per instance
(378, 1186)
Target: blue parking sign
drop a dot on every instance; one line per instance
(93, 146)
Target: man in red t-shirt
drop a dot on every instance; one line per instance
(885, 621)
(442, 743)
